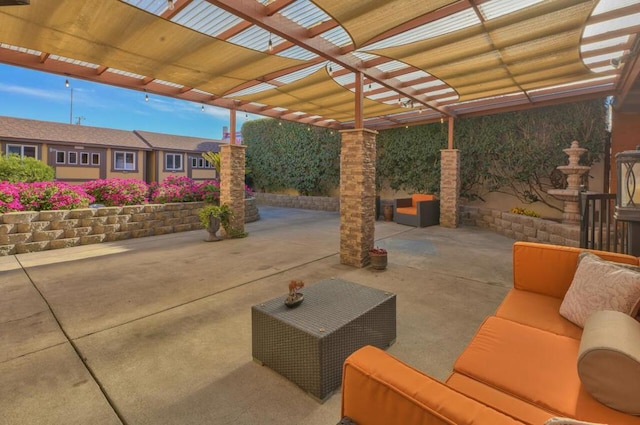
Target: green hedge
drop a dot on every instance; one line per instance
(15, 169)
(514, 152)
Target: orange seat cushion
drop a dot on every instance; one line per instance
(539, 311)
(407, 210)
(499, 400)
(535, 366)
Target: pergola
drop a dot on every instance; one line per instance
(356, 66)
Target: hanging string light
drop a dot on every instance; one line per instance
(202, 108)
(330, 71)
(146, 96)
(270, 43)
(170, 4)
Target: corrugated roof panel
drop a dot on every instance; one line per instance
(496, 8)
(412, 76)
(337, 36)
(304, 13)
(381, 95)
(605, 43)
(255, 38)
(604, 57)
(364, 56)
(152, 6)
(609, 5)
(604, 80)
(20, 49)
(201, 92)
(297, 52)
(612, 24)
(463, 19)
(168, 83)
(346, 79)
(253, 89)
(206, 18)
(125, 73)
(73, 61)
(297, 75)
(434, 83)
(391, 66)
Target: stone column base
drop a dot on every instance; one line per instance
(449, 187)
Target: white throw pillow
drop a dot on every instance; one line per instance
(601, 285)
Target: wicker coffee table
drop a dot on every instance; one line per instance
(309, 344)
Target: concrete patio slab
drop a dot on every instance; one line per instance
(162, 326)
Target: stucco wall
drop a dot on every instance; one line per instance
(321, 203)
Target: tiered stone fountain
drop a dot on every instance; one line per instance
(574, 172)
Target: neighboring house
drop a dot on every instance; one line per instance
(79, 153)
(178, 155)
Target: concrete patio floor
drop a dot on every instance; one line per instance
(158, 330)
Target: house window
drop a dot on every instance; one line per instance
(60, 157)
(173, 161)
(95, 159)
(84, 158)
(194, 162)
(200, 162)
(22, 150)
(125, 161)
(73, 157)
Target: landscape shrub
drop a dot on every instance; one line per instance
(42, 196)
(175, 189)
(118, 192)
(14, 169)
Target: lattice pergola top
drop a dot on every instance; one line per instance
(420, 61)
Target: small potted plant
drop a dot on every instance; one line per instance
(378, 258)
(214, 216)
(295, 298)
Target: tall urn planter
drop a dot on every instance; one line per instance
(214, 216)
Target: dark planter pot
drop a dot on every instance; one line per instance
(378, 261)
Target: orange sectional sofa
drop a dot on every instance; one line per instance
(520, 367)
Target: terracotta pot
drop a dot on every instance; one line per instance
(387, 211)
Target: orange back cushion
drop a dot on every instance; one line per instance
(421, 197)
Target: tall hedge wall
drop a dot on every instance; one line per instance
(514, 152)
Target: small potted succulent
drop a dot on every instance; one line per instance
(378, 258)
(295, 298)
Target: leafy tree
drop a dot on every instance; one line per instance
(14, 168)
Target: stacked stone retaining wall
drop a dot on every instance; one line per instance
(521, 227)
(22, 232)
(320, 203)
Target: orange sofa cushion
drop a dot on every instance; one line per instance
(549, 269)
(535, 366)
(499, 400)
(378, 389)
(416, 197)
(539, 311)
(413, 209)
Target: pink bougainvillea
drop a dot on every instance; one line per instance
(118, 192)
(41, 196)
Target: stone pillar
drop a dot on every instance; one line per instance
(357, 196)
(449, 187)
(232, 182)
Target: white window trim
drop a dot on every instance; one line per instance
(84, 155)
(64, 157)
(174, 156)
(75, 157)
(125, 154)
(95, 155)
(21, 149)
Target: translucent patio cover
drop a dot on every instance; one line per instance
(420, 61)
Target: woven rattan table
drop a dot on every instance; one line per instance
(309, 344)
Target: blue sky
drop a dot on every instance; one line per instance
(42, 96)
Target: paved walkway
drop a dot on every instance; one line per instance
(158, 330)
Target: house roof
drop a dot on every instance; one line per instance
(52, 132)
(179, 143)
(338, 64)
(25, 130)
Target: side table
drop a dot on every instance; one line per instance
(309, 344)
